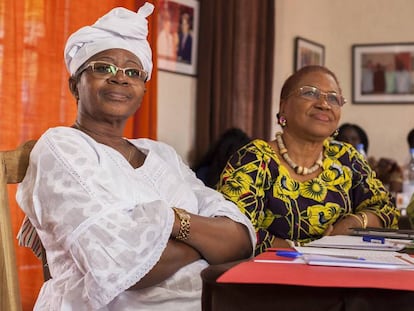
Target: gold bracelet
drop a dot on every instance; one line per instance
(364, 219)
(361, 221)
(184, 217)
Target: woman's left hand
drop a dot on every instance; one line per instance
(328, 230)
(343, 226)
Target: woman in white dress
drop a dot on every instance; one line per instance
(125, 223)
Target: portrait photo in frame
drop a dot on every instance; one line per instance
(308, 53)
(177, 37)
(383, 73)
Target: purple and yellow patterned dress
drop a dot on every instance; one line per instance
(280, 206)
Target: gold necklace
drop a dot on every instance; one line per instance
(300, 170)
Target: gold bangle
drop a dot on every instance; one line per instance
(361, 221)
(364, 219)
(184, 217)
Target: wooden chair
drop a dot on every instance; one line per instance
(13, 165)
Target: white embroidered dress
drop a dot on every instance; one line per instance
(105, 224)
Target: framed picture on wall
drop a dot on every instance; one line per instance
(177, 37)
(383, 73)
(308, 53)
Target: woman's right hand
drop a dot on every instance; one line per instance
(280, 243)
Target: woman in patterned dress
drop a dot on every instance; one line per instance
(304, 184)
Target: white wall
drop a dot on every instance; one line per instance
(176, 111)
(337, 24)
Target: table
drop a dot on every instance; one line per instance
(246, 285)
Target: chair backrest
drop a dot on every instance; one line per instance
(13, 166)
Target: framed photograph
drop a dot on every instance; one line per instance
(383, 73)
(308, 53)
(177, 37)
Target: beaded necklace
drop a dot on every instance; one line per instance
(300, 170)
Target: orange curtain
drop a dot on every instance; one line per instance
(144, 123)
(34, 92)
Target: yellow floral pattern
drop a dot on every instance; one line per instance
(280, 206)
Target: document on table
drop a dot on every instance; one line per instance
(384, 232)
(359, 242)
(362, 258)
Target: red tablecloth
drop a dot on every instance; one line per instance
(301, 274)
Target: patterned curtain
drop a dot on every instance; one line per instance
(34, 92)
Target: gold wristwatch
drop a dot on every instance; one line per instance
(184, 217)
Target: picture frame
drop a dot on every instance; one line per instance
(177, 37)
(307, 53)
(383, 73)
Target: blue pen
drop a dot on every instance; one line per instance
(295, 254)
(373, 239)
(289, 254)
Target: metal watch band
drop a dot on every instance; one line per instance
(184, 217)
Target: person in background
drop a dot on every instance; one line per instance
(410, 211)
(167, 40)
(410, 206)
(410, 139)
(304, 185)
(390, 173)
(126, 225)
(379, 79)
(402, 76)
(185, 39)
(213, 162)
(367, 77)
(354, 135)
(390, 79)
(387, 170)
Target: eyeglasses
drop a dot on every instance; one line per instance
(102, 69)
(313, 93)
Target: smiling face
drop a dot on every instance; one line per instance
(109, 98)
(311, 119)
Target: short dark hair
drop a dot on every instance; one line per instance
(291, 83)
(361, 133)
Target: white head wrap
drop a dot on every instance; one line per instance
(120, 28)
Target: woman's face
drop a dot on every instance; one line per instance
(349, 135)
(311, 119)
(110, 97)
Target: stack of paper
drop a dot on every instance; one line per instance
(346, 251)
(355, 258)
(358, 242)
(339, 258)
(384, 232)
